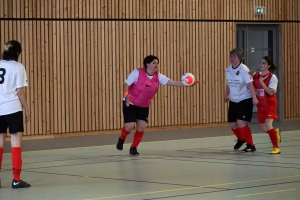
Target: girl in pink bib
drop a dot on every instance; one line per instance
(139, 89)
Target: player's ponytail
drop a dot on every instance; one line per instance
(12, 50)
(270, 62)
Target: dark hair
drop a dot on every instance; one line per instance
(149, 59)
(239, 52)
(12, 50)
(269, 60)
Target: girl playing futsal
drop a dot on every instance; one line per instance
(241, 96)
(139, 89)
(12, 98)
(265, 84)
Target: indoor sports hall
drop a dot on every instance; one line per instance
(77, 54)
(187, 163)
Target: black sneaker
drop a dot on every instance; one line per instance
(133, 151)
(249, 148)
(238, 144)
(120, 144)
(19, 184)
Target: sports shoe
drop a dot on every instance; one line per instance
(275, 151)
(239, 144)
(19, 184)
(120, 144)
(278, 135)
(133, 151)
(249, 148)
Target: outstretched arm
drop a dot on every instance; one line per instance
(178, 83)
(175, 83)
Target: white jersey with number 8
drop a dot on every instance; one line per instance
(12, 77)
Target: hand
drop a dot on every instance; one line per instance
(126, 98)
(261, 80)
(255, 101)
(196, 82)
(251, 72)
(27, 116)
(226, 99)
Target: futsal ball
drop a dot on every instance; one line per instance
(188, 79)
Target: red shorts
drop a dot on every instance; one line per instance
(269, 114)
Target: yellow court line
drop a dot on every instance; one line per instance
(144, 193)
(190, 188)
(271, 192)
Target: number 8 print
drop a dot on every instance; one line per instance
(2, 75)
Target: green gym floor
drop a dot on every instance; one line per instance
(182, 164)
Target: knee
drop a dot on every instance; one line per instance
(129, 126)
(241, 123)
(264, 130)
(268, 128)
(233, 125)
(140, 129)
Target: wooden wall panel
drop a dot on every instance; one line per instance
(76, 65)
(151, 9)
(291, 70)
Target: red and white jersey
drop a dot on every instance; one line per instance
(237, 80)
(266, 101)
(12, 77)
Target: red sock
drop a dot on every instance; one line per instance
(273, 137)
(1, 155)
(124, 133)
(238, 133)
(138, 136)
(246, 131)
(16, 162)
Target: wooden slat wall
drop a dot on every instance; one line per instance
(76, 68)
(150, 9)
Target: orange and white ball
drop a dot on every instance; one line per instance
(188, 79)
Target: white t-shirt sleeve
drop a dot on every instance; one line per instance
(163, 79)
(21, 78)
(247, 77)
(132, 77)
(273, 83)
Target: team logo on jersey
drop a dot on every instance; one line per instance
(237, 73)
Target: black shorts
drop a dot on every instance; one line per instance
(241, 110)
(132, 113)
(12, 121)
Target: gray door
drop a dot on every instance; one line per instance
(258, 41)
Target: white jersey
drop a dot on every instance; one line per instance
(12, 77)
(134, 75)
(237, 80)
